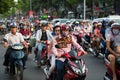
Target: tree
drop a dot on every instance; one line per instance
(74, 3)
(5, 6)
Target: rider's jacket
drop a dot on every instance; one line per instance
(97, 32)
(25, 32)
(14, 39)
(65, 44)
(39, 35)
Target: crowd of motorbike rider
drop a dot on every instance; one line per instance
(108, 35)
(65, 36)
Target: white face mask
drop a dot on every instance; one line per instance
(25, 27)
(115, 31)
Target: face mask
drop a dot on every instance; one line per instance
(25, 27)
(115, 31)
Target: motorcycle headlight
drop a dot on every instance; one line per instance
(76, 70)
(17, 47)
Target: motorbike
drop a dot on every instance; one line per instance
(97, 50)
(77, 36)
(108, 74)
(86, 44)
(44, 55)
(75, 68)
(29, 49)
(16, 61)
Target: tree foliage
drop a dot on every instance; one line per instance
(24, 5)
(5, 6)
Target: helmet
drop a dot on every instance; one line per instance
(45, 23)
(65, 27)
(95, 22)
(37, 21)
(57, 22)
(99, 24)
(110, 23)
(115, 25)
(13, 25)
(76, 23)
(67, 22)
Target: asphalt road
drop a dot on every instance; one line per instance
(96, 68)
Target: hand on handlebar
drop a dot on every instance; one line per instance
(25, 44)
(117, 55)
(59, 55)
(43, 41)
(85, 53)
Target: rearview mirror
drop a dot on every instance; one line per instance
(5, 40)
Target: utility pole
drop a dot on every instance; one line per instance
(84, 9)
(30, 5)
(92, 9)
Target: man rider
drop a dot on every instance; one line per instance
(42, 36)
(65, 42)
(26, 33)
(112, 54)
(10, 39)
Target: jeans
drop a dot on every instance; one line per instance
(103, 49)
(40, 46)
(60, 66)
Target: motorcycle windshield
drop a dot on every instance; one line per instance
(17, 54)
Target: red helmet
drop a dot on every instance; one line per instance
(95, 22)
(65, 27)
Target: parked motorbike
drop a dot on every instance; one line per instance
(108, 74)
(16, 61)
(75, 68)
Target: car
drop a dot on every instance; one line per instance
(114, 18)
(61, 20)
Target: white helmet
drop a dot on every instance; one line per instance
(115, 25)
